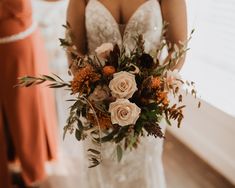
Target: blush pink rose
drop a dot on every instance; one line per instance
(123, 112)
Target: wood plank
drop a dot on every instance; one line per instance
(185, 169)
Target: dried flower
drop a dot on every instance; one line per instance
(104, 120)
(100, 93)
(146, 61)
(155, 82)
(162, 96)
(173, 77)
(154, 130)
(104, 50)
(109, 70)
(82, 79)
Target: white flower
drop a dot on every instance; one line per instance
(100, 93)
(104, 50)
(123, 85)
(123, 112)
(173, 77)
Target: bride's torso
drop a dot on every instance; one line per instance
(101, 26)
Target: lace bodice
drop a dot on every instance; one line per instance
(101, 26)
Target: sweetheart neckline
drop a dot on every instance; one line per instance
(129, 20)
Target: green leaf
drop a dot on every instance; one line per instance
(151, 115)
(58, 77)
(119, 153)
(94, 151)
(168, 121)
(78, 135)
(79, 124)
(138, 126)
(65, 132)
(57, 85)
(95, 162)
(48, 78)
(109, 137)
(64, 42)
(121, 134)
(152, 106)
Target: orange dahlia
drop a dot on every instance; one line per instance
(109, 70)
(104, 120)
(82, 79)
(155, 82)
(162, 96)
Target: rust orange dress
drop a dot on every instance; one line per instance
(27, 115)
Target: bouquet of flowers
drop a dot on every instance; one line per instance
(120, 97)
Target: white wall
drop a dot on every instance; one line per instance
(211, 60)
(210, 131)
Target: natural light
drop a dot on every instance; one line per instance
(210, 62)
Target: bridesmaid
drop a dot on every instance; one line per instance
(27, 115)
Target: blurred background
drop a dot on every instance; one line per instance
(202, 152)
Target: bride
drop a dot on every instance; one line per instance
(94, 22)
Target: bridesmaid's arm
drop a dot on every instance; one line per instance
(76, 19)
(174, 13)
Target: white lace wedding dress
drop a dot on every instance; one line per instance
(141, 168)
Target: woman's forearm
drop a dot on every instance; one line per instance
(174, 13)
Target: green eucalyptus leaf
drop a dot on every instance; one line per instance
(78, 135)
(94, 151)
(119, 153)
(168, 121)
(79, 124)
(48, 78)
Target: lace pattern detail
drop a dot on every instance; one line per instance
(102, 27)
(140, 168)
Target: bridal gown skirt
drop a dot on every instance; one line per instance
(140, 168)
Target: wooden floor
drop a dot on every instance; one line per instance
(186, 170)
(182, 167)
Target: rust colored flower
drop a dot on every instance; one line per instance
(99, 94)
(155, 82)
(165, 102)
(104, 120)
(109, 70)
(82, 79)
(162, 96)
